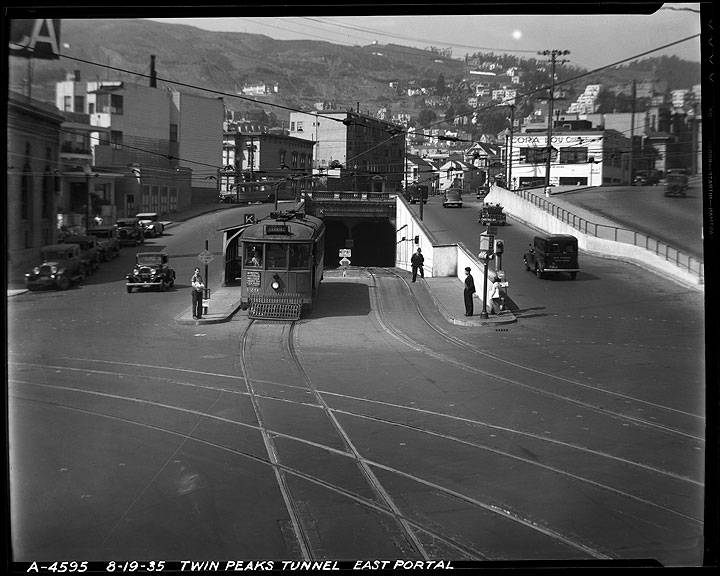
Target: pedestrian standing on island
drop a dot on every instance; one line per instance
(197, 286)
(496, 296)
(417, 260)
(468, 292)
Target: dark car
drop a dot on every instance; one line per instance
(151, 270)
(107, 239)
(61, 266)
(453, 198)
(130, 231)
(492, 215)
(676, 183)
(646, 178)
(89, 251)
(552, 254)
(415, 192)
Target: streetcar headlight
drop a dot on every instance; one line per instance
(276, 282)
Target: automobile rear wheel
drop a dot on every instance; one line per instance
(63, 283)
(129, 289)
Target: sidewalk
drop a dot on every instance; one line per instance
(447, 293)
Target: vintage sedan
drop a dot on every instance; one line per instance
(553, 254)
(453, 198)
(151, 270)
(150, 221)
(130, 231)
(61, 266)
(107, 239)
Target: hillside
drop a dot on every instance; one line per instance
(306, 71)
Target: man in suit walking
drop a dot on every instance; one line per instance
(416, 261)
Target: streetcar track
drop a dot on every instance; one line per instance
(300, 535)
(389, 405)
(367, 473)
(419, 347)
(490, 507)
(366, 502)
(492, 356)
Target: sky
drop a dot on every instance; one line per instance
(593, 40)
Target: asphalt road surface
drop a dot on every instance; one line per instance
(371, 428)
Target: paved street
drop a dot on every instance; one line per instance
(372, 428)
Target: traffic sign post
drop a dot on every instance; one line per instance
(344, 263)
(206, 257)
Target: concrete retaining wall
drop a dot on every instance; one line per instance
(534, 216)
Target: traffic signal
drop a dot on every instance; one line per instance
(499, 246)
(417, 239)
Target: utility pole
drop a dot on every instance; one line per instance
(553, 61)
(632, 130)
(509, 158)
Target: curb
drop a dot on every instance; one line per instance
(187, 319)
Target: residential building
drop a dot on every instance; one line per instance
(368, 151)
(419, 170)
(260, 89)
(33, 180)
(263, 156)
(165, 144)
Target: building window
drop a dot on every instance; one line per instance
(67, 103)
(172, 204)
(79, 104)
(173, 132)
(299, 126)
(116, 139)
(294, 161)
(536, 155)
(110, 103)
(302, 160)
(572, 155)
(283, 156)
(91, 107)
(146, 197)
(292, 126)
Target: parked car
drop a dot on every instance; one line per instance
(553, 253)
(89, 251)
(61, 266)
(416, 191)
(492, 215)
(150, 221)
(130, 231)
(676, 182)
(152, 270)
(646, 178)
(108, 242)
(453, 197)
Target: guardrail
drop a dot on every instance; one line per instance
(622, 235)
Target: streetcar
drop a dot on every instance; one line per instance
(260, 191)
(282, 264)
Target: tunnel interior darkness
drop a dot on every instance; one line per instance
(373, 242)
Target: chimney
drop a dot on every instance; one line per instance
(77, 75)
(153, 73)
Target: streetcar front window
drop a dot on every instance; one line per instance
(254, 255)
(300, 256)
(276, 255)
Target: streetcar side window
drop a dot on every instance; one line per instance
(253, 255)
(276, 255)
(299, 256)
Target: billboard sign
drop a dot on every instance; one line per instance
(38, 38)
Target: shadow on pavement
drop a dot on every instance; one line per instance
(341, 299)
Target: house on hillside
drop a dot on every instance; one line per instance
(423, 171)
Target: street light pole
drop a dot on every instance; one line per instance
(553, 60)
(509, 158)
